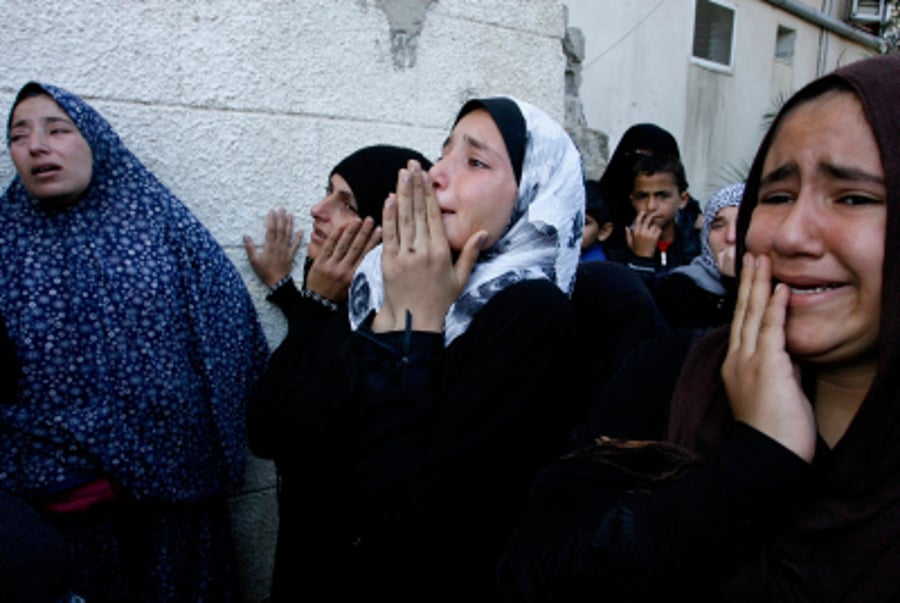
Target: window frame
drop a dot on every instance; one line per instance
(709, 63)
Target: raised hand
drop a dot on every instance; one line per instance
(643, 235)
(276, 260)
(332, 271)
(417, 264)
(761, 379)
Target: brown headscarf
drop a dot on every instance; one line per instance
(841, 542)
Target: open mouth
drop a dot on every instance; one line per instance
(811, 288)
(45, 169)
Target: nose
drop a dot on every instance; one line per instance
(731, 232)
(319, 211)
(37, 142)
(800, 233)
(439, 175)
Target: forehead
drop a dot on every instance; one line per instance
(655, 181)
(36, 107)
(727, 212)
(830, 128)
(479, 124)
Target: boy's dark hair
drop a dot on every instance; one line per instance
(661, 164)
(595, 203)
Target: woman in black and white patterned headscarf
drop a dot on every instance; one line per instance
(540, 240)
(456, 381)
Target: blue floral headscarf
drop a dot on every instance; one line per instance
(137, 339)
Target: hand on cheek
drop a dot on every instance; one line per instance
(332, 271)
(761, 379)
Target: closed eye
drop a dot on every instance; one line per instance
(859, 200)
(777, 199)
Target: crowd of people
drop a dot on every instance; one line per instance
(499, 381)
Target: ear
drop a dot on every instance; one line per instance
(605, 231)
(685, 197)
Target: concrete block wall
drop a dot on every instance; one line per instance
(240, 106)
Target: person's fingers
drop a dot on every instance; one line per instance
(357, 245)
(757, 303)
(272, 226)
(374, 239)
(771, 331)
(740, 307)
(435, 221)
(331, 243)
(346, 239)
(295, 242)
(389, 225)
(250, 248)
(287, 230)
(419, 204)
(406, 227)
(468, 256)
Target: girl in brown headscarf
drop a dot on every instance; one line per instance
(782, 481)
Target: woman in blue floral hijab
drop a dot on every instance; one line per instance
(138, 345)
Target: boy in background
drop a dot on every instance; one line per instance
(598, 223)
(658, 241)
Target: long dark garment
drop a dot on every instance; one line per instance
(138, 345)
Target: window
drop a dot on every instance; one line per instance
(714, 33)
(784, 44)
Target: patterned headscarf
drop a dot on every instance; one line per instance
(542, 241)
(137, 338)
(703, 269)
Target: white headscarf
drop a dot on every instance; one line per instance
(543, 239)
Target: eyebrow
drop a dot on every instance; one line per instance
(49, 119)
(475, 143)
(843, 172)
(840, 172)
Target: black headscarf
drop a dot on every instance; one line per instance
(371, 173)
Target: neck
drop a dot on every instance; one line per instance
(840, 391)
(668, 232)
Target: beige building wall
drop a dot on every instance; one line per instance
(638, 68)
(239, 106)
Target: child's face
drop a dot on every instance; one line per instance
(657, 194)
(591, 230)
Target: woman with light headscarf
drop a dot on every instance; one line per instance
(456, 379)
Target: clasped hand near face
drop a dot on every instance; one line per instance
(761, 378)
(418, 268)
(643, 235)
(332, 270)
